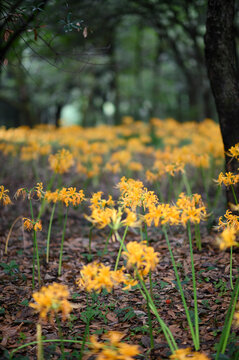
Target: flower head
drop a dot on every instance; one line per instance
(227, 238)
(4, 198)
(31, 224)
(61, 162)
(187, 354)
(142, 256)
(112, 348)
(52, 300)
(228, 179)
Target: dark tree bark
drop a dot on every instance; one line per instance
(221, 63)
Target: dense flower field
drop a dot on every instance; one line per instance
(94, 215)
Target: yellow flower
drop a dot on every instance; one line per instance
(61, 162)
(227, 238)
(112, 348)
(39, 190)
(234, 151)
(186, 354)
(231, 221)
(192, 208)
(37, 226)
(142, 256)
(52, 299)
(30, 224)
(227, 179)
(97, 276)
(131, 219)
(4, 198)
(21, 192)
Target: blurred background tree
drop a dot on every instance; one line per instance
(95, 61)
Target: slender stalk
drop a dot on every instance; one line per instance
(60, 336)
(40, 354)
(228, 321)
(86, 333)
(121, 246)
(150, 273)
(198, 237)
(150, 326)
(196, 320)
(45, 341)
(62, 241)
(33, 267)
(170, 189)
(43, 204)
(180, 289)
(186, 183)
(37, 256)
(146, 295)
(90, 238)
(167, 333)
(160, 195)
(35, 253)
(49, 233)
(234, 194)
(231, 249)
(107, 242)
(231, 279)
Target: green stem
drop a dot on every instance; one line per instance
(61, 336)
(150, 272)
(180, 288)
(90, 238)
(40, 355)
(150, 326)
(62, 242)
(170, 189)
(194, 287)
(167, 333)
(186, 183)
(49, 233)
(34, 250)
(228, 321)
(160, 195)
(37, 256)
(234, 194)
(107, 242)
(198, 237)
(121, 246)
(231, 280)
(86, 333)
(44, 341)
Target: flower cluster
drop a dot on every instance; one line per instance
(184, 354)
(112, 347)
(4, 198)
(187, 209)
(52, 300)
(66, 195)
(227, 238)
(97, 276)
(141, 256)
(134, 194)
(234, 151)
(228, 179)
(192, 208)
(61, 162)
(32, 225)
(230, 220)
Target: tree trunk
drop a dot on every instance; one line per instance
(222, 69)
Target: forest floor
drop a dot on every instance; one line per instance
(124, 311)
